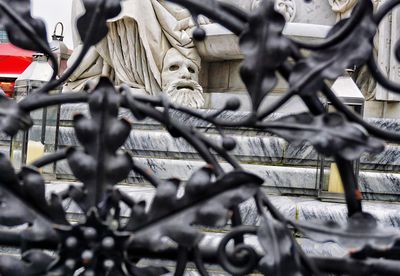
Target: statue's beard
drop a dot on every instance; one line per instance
(186, 93)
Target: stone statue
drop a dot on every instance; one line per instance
(134, 51)
(145, 43)
(180, 80)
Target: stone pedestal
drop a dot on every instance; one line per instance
(222, 58)
(312, 21)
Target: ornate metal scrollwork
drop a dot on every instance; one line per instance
(107, 243)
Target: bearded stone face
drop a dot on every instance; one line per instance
(180, 80)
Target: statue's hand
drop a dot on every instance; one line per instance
(204, 20)
(188, 22)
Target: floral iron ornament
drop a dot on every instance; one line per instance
(107, 242)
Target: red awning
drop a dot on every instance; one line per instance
(13, 60)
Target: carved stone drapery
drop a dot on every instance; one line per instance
(133, 51)
(388, 37)
(385, 43)
(287, 8)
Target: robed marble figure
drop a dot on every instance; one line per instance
(149, 48)
(134, 51)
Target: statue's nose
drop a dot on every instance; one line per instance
(185, 74)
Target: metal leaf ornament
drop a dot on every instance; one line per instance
(330, 134)
(12, 117)
(280, 258)
(97, 12)
(19, 208)
(205, 202)
(91, 246)
(265, 49)
(22, 29)
(355, 49)
(31, 263)
(98, 165)
(361, 231)
(12, 209)
(33, 187)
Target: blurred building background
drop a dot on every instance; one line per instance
(3, 36)
(13, 62)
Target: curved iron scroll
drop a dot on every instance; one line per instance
(106, 243)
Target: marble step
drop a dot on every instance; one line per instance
(254, 148)
(69, 110)
(281, 180)
(302, 209)
(278, 179)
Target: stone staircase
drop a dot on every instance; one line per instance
(302, 209)
(290, 172)
(287, 169)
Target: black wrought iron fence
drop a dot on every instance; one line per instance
(106, 243)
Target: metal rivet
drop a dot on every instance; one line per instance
(71, 242)
(87, 256)
(108, 264)
(90, 233)
(108, 243)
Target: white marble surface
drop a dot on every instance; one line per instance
(303, 209)
(222, 44)
(286, 168)
(252, 147)
(277, 179)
